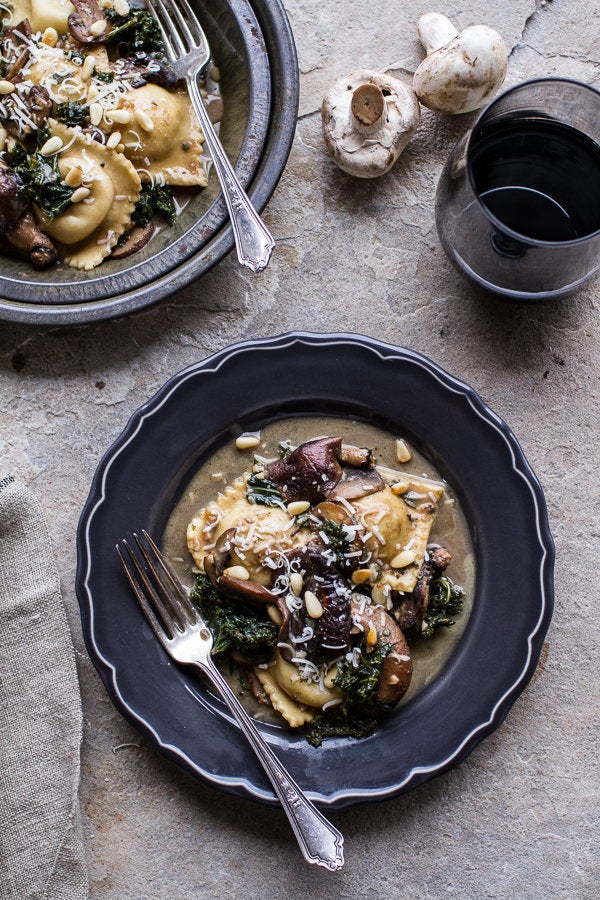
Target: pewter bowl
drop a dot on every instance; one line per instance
(254, 49)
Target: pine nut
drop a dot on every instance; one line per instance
(114, 140)
(144, 120)
(121, 7)
(122, 116)
(74, 177)
(296, 583)
(50, 37)
(247, 441)
(6, 87)
(92, 93)
(313, 605)
(238, 572)
(372, 636)
(96, 113)
(403, 453)
(80, 194)
(361, 575)
(403, 559)
(52, 145)
(274, 614)
(298, 507)
(97, 28)
(379, 595)
(399, 487)
(393, 679)
(120, 148)
(87, 70)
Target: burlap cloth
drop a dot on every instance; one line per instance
(41, 846)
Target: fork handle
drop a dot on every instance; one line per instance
(254, 242)
(320, 842)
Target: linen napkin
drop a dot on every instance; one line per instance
(41, 845)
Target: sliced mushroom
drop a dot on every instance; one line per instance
(27, 238)
(35, 101)
(142, 68)
(215, 564)
(88, 24)
(13, 198)
(357, 483)
(310, 472)
(358, 457)
(396, 671)
(368, 119)
(412, 608)
(461, 71)
(137, 239)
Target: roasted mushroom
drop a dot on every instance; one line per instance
(88, 24)
(396, 672)
(412, 609)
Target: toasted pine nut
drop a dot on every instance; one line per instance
(144, 120)
(313, 605)
(274, 614)
(122, 116)
(92, 93)
(52, 145)
(82, 193)
(296, 583)
(87, 70)
(372, 636)
(6, 87)
(393, 679)
(50, 37)
(96, 113)
(120, 148)
(403, 559)
(298, 507)
(359, 576)
(403, 453)
(247, 441)
(74, 177)
(239, 572)
(97, 28)
(121, 7)
(114, 140)
(399, 487)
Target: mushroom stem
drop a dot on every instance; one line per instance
(435, 31)
(367, 107)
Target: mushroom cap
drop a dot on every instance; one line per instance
(362, 150)
(465, 73)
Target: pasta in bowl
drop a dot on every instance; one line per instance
(247, 46)
(323, 579)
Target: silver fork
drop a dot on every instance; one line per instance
(185, 636)
(189, 53)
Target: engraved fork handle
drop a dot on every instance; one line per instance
(253, 241)
(320, 842)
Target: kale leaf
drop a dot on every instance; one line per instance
(136, 31)
(154, 199)
(233, 626)
(445, 602)
(263, 491)
(72, 113)
(337, 540)
(41, 176)
(356, 716)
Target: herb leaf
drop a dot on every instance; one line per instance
(154, 200)
(233, 625)
(136, 31)
(71, 113)
(41, 177)
(264, 492)
(445, 602)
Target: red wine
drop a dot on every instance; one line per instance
(539, 177)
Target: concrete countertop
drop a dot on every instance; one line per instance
(519, 817)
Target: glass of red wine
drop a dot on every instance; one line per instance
(518, 202)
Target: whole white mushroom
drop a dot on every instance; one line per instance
(461, 72)
(368, 119)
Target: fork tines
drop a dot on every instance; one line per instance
(156, 587)
(179, 24)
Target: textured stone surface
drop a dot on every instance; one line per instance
(519, 817)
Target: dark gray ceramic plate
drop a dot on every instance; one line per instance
(147, 469)
(259, 80)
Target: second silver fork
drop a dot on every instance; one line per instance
(185, 636)
(189, 53)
